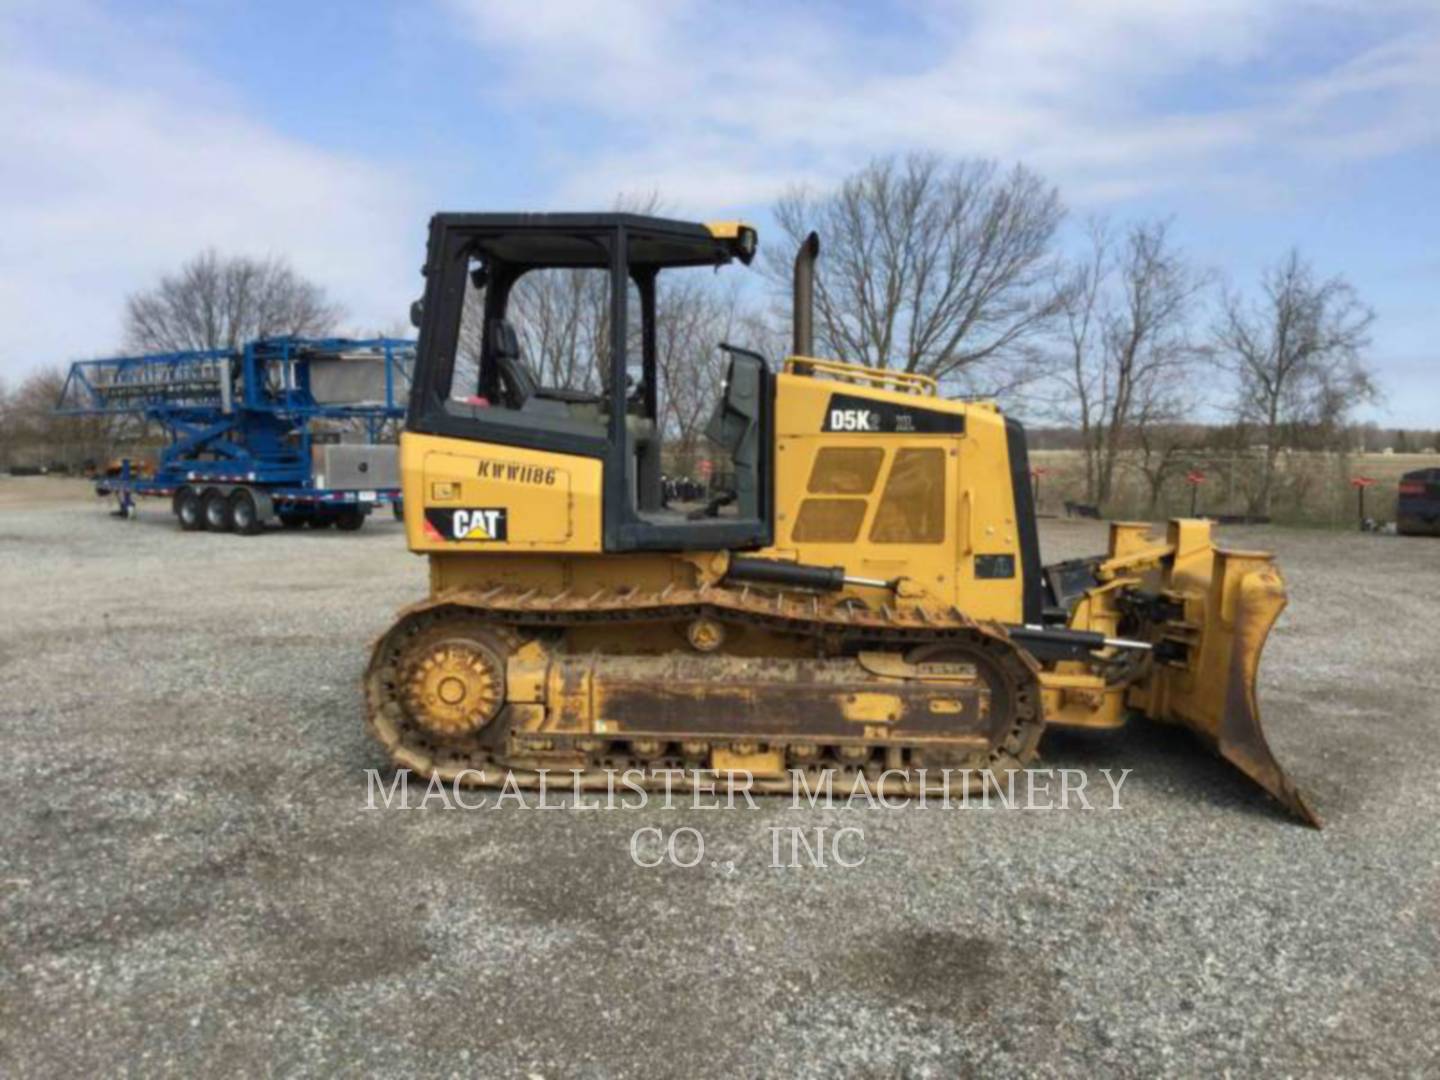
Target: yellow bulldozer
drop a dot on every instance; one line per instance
(865, 595)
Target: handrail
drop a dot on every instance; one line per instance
(906, 382)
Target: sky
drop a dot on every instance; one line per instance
(133, 135)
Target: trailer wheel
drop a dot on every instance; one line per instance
(244, 514)
(187, 509)
(349, 520)
(320, 521)
(216, 509)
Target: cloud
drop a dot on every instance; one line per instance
(1106, 96)
(122, 158)
(109, 181)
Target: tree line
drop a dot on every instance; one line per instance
(212, 302)
(957, 269)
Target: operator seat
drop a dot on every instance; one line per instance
(521, 390)
(518, 383)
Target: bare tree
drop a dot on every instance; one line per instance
(32, 433)
(1296, 353)
(934, 268)
(37, 431)
(561, 318)
(1163, 441)
(1082, 374)
(7, 423)
(219, 302)
(692, 318)
(1125, 325)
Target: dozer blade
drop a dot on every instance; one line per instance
(1206, 660)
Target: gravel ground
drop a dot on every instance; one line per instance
(190, 882)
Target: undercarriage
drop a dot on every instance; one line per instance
(476, 684)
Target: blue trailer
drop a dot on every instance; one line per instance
(283, 430)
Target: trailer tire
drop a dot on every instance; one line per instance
(188, 510)
(245, 512)
(289, 519)
(320, 521)
(349, 520)
(216, 509)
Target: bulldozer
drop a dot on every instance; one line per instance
(865, 598)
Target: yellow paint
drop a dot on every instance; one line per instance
(551, 501)
(764, 763)
(526, 672)
(1076, 697)
(978, 490)
(552, 541)
(871, 708)
(725, 230)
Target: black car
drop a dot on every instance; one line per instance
(1417, 512)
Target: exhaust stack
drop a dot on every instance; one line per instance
(803, 303)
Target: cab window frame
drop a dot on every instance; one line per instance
(454, 240)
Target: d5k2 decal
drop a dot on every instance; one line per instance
(466, 523)
(863, 416)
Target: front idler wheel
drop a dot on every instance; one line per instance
(441, 677)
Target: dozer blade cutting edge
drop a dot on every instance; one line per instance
(1214, 615)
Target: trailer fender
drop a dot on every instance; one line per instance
(264, 506)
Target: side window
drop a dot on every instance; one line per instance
(693, 315)
(555, 337)
(561, 319)
(465, 375)
(912, 509)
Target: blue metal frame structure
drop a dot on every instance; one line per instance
(238, 416)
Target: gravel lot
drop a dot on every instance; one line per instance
(190, 882)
